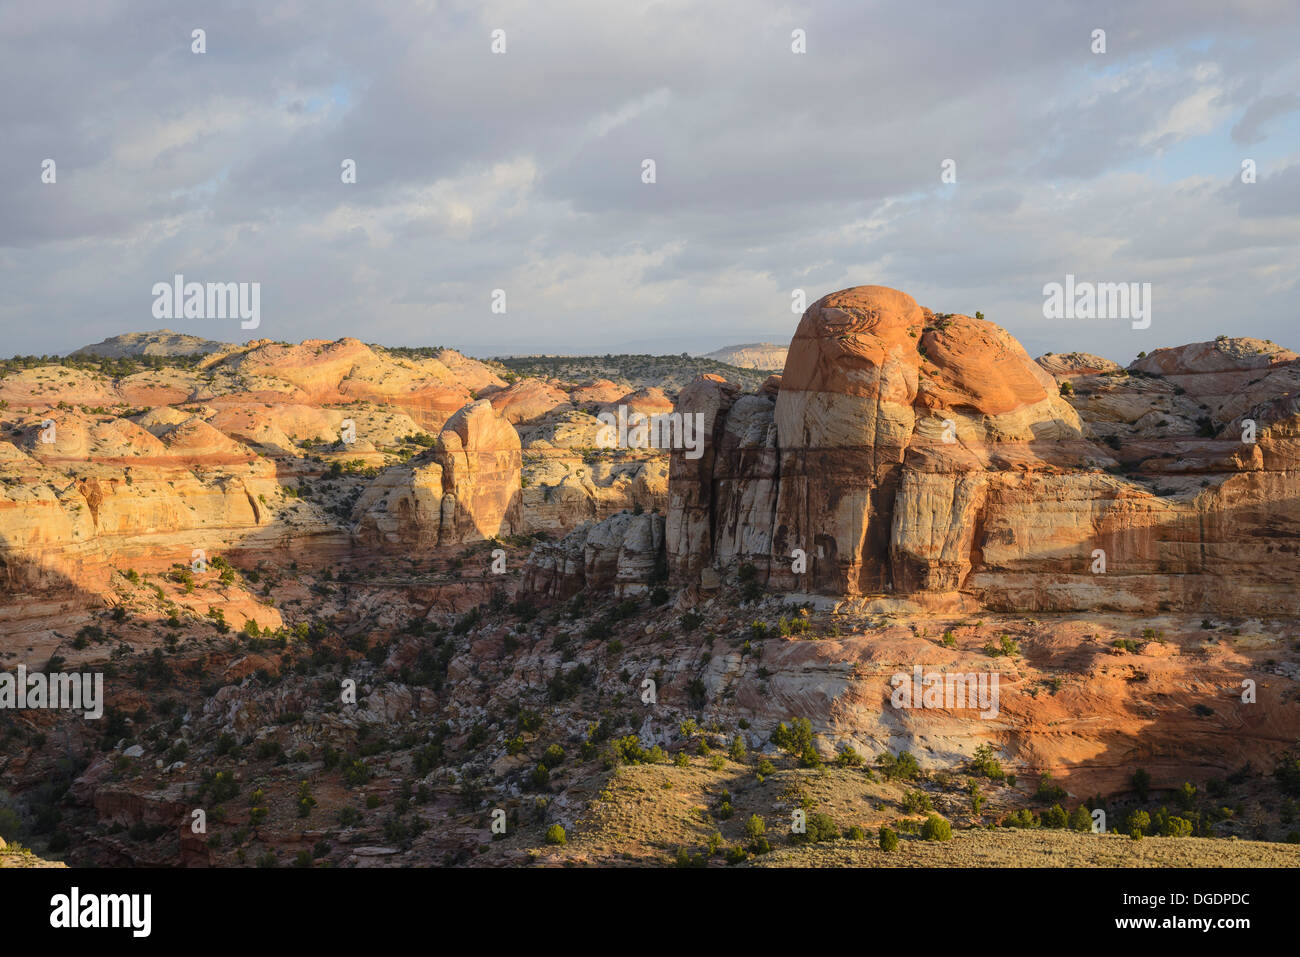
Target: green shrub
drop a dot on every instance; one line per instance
(1141, 783)
(985, 762)
(936, 828)
(915, 802)
(901, 768)
(1055, 817)
(821, 827)
(737, 749)
(848, 757)
(11, 824)
(555, 835)
(1047, 791)
(795, 738)
(1022, 818)
(888, 839)
(1139, 821)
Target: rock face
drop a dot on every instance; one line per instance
(528, 399)
(466, 489)
(928, 455)
(691, 525)
(622, 555)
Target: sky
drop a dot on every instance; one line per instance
(522, 171)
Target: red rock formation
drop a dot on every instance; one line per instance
(528, 399)
(466, 489)
(910, 453)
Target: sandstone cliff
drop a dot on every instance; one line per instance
(928, 455)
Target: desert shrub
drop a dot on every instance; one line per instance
(888, 839)
(1141, 783)
(1137, 820)
(1022, 818)
(685, 858)
(936, 828)
(555, 835)
(985, 762)
(1047, 791)
(11, 824)
(305, 800)
(355, 773)
(819, 827)
(1287, 774)
(915, 802)
(737, 749)
(1006, 647)
(901, 768)
(1055, 817)
(795, 738)
(848, 757)
(540, 777)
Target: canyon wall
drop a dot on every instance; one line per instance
(909, 453)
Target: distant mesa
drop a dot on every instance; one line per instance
(767, 356)
(164, 342)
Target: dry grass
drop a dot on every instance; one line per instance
(646, 813)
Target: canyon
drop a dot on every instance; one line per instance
(236, 529)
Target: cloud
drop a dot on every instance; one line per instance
(1249, 129)
(522, 171)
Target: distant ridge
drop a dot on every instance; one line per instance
(163, 342)
(767, 356)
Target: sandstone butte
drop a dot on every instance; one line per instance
(922, 455)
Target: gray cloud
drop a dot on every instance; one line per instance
(523, 171)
